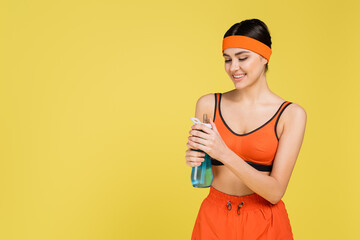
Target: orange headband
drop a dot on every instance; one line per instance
(247, 43)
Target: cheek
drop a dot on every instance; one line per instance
(253, 67)
(250, 65)
(227, 69)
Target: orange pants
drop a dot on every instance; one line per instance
(227, 217)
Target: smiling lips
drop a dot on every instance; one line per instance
(239, 76)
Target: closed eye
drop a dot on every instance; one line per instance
(240, 59)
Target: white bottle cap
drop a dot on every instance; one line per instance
(197, 121)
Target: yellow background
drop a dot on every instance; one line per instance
(96, 99)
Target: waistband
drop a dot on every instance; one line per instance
(247, 202)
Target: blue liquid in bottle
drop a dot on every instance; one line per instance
(202, 176)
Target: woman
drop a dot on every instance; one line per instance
(254, 142)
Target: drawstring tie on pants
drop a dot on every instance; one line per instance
(229, 206)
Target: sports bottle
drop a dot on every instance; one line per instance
(202, 176)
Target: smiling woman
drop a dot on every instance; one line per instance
(254, 142)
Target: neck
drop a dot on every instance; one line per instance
(257, 92)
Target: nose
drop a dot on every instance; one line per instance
(234, 66)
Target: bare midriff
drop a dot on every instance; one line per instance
(226, 181)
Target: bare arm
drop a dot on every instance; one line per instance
(273, 187)
(205, 104)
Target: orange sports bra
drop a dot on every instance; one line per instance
(258, 147)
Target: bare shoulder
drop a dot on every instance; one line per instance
(205, 104)
(296, 111)
(294, 116)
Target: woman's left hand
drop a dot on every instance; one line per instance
(209, 141)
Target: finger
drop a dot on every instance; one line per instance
(193, 153)
(193, 164)
(199, 133)
(213, 125)
(202, 127)
(197, 161)
(195, 145)
(197, 154)
(200, 143)
(191, 147)
(194, 160)
(198, 140)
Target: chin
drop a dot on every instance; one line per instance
(240, 85)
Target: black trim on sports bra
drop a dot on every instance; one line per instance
(257, 166)
(215, 162)
(277, 120)
(237, 134)
(215, 107)
(261, 167)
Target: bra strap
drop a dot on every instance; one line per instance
(216, 103)
(287, 103)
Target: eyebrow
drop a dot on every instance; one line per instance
(238, 53)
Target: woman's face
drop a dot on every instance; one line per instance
(244, 63)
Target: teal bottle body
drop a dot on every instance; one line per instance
(202, 176)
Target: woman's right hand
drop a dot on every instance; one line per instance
(194, 158)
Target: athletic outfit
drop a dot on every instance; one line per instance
(226, 217)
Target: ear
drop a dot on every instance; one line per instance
(264, 60)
